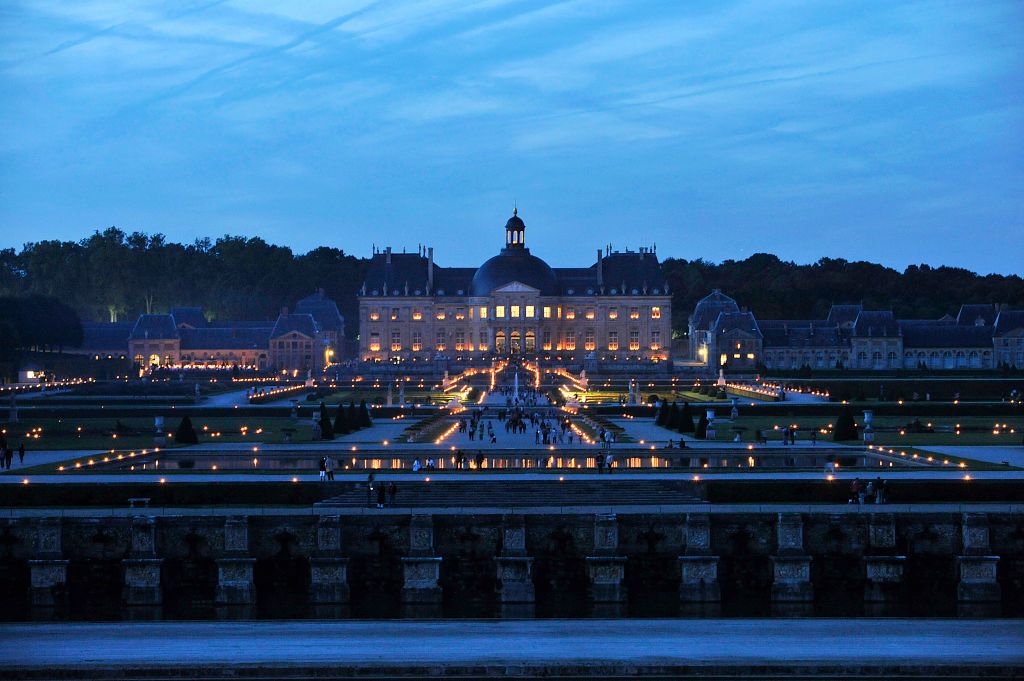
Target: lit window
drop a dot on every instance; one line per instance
(634, 313)
(483, 340)
(514, 309)
(460, 340)
(394, 314)
(738, 346)
(440, 315)
(374, 315)
(417, 314)
(570, 340)
(483, 312)
(634, 340)
(547, 314)
(613, 313)
(588, 340)
(655, 340)
(417, 341)
(460, 313)
(396, 341)
(546, 339)
(374, 342)
(750, 355)
(440, 341)
(499, 311)
(736, 356)
(613, 340)
(531, 312)
(590, 313)
(570, 313)
(655, 313)
(723, 359)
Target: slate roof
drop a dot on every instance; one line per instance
(801, 333)
(104, 337)
(155, 326)
(844, 314)
(709, 307)
(744, 322)
(970, 314)
(876, 323)
(324, 311)
(226, 338)
(637, 269)
(286, 323)
(190, 316)
(943, 335)
(1009, 321)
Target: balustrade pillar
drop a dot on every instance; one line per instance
(606, 569)
(515, 568)
(142, 567)
(977, 567)
(48, 571)
(883, 569)
(328, 569)
(235, 567)
(698, 568)
(791, 565)
(421, 569)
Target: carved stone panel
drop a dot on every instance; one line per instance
(698, 534)
(236, 535)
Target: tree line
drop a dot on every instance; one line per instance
(115, 276)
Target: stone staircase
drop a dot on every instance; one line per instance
(524, 493)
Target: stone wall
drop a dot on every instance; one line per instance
(512, 561)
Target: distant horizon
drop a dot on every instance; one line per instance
(585, 256)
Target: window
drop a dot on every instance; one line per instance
(460, 313)
(514, 310)
(570, 340)
(613, 313)
(613, 340)
(514, 343)
(460, 340)
(545, 342)
(588, 340)
(483, 338)
(655, 340)
(590, 313)
(531, 341)
(440, 341)
(736, 356)
(374, 315)
(547, 312)
(396, 341)
(531, 312)
(655, 312)
(634, 313)
(499, 311)
(570, 313)
(417, 314)
(750, 355)
(417, 341)
(483, 312)
(499, 343)
(634, 339)
(374, 342)
(394, 314)
(440, 314)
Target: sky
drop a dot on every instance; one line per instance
(889, 131)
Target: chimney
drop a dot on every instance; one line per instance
(387, 255)
(600, 269)
(430, 268)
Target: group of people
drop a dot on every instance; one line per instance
(384, 493)
(874, 492)
(474, 427)
(7, 453)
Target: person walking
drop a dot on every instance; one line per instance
(323, 468)
(608, 460)
(9, 458)
(21, 453)
(879, 490)
(369, 490)
(381, 496)
(392, 492)
(600, 464)
(330, 468)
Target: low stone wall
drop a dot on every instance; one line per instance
(516, 560)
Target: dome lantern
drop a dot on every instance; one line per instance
(515, 231)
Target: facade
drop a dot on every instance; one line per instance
(307, 340)
(617, 312)
(980, 337)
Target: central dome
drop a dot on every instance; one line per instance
(514, 265)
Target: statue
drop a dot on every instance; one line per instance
(721, 378)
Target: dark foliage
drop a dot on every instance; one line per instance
(845, 427)
(686, 419)
(186, 434)
(702, 427)
(364, 415)
(326, 429)
(341, 421)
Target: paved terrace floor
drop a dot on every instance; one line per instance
(67, 650)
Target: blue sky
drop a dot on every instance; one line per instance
(888, 130)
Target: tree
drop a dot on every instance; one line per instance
(663, 414)
(340, 421)
(686, 419)
(186, 434)
(702, 426)
(352, 416)
(364, 415)
(326, 429)
(845, 428)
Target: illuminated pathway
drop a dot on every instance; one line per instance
(801, 646)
